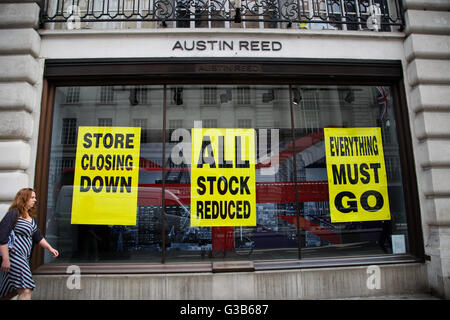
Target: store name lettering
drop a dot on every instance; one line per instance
(224, 45)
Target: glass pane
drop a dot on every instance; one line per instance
(264, 108)
(319, 107)
(105, 106)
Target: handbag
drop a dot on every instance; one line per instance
(11, 240)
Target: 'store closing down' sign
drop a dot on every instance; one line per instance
(106, 176)
(356, 174)
(223, 191)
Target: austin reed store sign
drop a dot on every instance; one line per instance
(227, 45)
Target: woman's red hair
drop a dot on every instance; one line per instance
(20, 202)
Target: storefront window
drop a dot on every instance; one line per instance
(291, 179)
(106, 106)
(319, 107)
(264, 108)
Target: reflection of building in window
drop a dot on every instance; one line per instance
(269, 96)
(210, 95)
(244, 123)
(63, 164)
(73, 95)
(105, 122)
(69, 131)
(209, 123)
(142, 93)
(176, 95)
(175, 123)
(360, 104)
(106, 94)
(386, 133)
(141, 123)
(393, 170)
(138, 95)
(243, 95)
(309, 107)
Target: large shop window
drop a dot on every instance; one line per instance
(292, 205)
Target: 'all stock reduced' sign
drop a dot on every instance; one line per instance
(223, 191)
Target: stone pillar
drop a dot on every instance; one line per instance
(427, 50)
(20, 93)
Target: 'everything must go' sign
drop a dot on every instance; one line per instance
(356, 171)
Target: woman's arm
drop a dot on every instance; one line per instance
(6, 225)
(44, 244)
(5, 258)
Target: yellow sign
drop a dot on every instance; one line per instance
(106, 176)
(223, 191)
(356, 171)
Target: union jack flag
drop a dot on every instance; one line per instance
(382, 100)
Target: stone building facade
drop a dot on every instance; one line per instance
(423, 48)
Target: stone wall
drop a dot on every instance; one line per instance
(315, 283)
(20, 92)
(427, 51)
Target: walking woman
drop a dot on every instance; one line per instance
(15, 272)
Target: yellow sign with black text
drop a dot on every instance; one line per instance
(223, 191)
(105, 185)
(357, 183)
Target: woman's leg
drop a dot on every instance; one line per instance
(24, 294)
